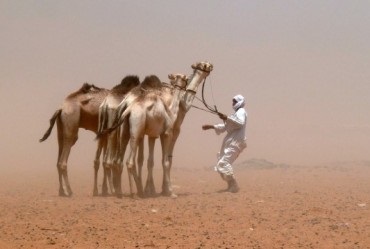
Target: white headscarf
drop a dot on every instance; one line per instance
(240, 102)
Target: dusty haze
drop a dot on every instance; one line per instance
(302, 66)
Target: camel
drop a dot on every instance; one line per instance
(171, 96)
(111, 159)
(80, 109)
(150, 84)
(201, 71)
(156, 105)
(147, 114)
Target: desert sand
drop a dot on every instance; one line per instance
(278, 206)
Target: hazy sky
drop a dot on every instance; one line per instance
(303, 67)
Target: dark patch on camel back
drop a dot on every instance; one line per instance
(126, 84)
(151, 83)
(86, 88)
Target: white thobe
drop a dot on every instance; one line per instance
(234, 142)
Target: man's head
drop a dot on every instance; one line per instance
(238, 102)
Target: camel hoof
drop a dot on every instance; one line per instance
(169, 194)
(140, 194)
(135, 196)
(150, 193)
(119, 195)
(95, 193)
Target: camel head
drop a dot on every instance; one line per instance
(178, 80)
(201, 71)
(203, 66)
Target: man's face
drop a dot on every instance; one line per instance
(234, 102)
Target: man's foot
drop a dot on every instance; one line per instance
(233, 186)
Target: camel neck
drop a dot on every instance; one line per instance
(195, 80)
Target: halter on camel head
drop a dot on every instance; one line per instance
(207, 68)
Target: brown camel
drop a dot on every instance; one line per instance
(79, 110)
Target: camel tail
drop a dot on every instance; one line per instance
(102, 117)
(52, 122)
(119, 118)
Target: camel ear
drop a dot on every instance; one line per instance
(171, 76)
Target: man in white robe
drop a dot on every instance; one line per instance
(234, 142)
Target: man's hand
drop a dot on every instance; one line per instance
(207, 127)
(222, 116)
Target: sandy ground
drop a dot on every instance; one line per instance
(279, 206)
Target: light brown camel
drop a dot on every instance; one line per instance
(111, 159)
(79, 110)
(171, 96)
(168, 130)
(200, 73)
(149, 115)
(150, 85)
(149, 89)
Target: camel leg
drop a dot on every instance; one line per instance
(101, 148)
(105, 179)
(112, 159)
(110, 178)
(108, 164)
(60, 149)
(96, 169)
(62, 164)
(106, 169)
(117, 173)
(149, 186)
(115, 163)
(130, 176)
(66, 139)
(166, 185)
(105, 163)
(123, 139)
(176, 133)
(140, 160)
(131, 167)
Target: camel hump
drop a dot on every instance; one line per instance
(151, 82)
(127, 83)
(86, 88)
(130, 79)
